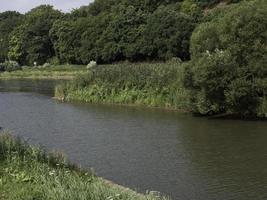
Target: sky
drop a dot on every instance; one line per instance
(23, 6)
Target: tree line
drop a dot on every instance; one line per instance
(225, 48)
(105, 31)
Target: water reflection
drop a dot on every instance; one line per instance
(229, 158)
(21, 85)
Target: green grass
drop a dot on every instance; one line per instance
(28, 172)
(154, 85)
(53, 72)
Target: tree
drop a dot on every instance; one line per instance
(91, 48)
(110, 31)
(228, 70)
(66, 38)
(123, 37)
(168, 33)
(30, 42)
(8, 21)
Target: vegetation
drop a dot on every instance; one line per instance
(222, 45)
(30, 42)
(111, 32)
(28, 172)
(9, 66)
(104, 31)
(228, 71)
(8, 21)
(142, 84)
(46, 72)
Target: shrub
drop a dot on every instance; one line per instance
(53, 61)
(10, 66)
(228, 70)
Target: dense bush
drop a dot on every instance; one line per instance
(228, 71)
(10, 66)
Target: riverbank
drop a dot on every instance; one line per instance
(67, 72)
(145, 84)
(28, 172)
(159, 85)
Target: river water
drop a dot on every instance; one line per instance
(179, 155)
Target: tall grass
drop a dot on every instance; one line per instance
(13, 148)
(28, 172)
(157, 85)
(51, 72)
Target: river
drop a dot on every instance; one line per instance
(179, 155)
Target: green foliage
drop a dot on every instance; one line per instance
(228, 70)
(13, 148)
(212, 3)
(95, 27)
(158, 85)
(106, 31)
(122, 38)
(30, 41)
(109, 32)
(190, 7)
(29, 172)
(168, 33)
(9, 66)
(46, 71)
(66, 38)
(8, 21)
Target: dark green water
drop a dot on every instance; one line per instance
(146, 149)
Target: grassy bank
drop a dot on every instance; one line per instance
(51, 72)
(155, 85)
(28, 172)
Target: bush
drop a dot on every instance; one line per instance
(228, 70)
(53, 61)
(10, 66)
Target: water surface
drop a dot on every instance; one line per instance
(145, 149)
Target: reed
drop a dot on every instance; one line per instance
(51, 72)
(154, 84)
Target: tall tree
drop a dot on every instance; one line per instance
(30, 42)
(8, 21)
(168, 33)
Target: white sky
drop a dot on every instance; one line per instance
(25, 5)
